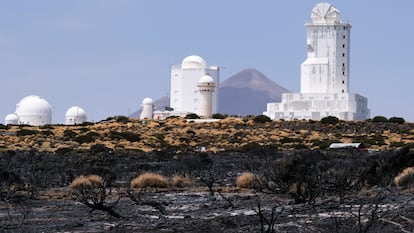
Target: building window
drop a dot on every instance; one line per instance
(343, 82)
(342, 91)
(344, 27)
(343, 72)
(343, 46)
(343, 64)
(343, 55)
(343, 36)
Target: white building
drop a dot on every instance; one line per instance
(324, 86)
(32, 110)
(75, 115)
(11, 119)
(184, 93)
(147, 109)
(206, 88)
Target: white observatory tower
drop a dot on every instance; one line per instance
(206, 87)
(324, 80)
(326, 69)
(147, 109)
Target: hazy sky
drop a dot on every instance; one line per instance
(106, 56)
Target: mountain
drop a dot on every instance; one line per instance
(245, 93)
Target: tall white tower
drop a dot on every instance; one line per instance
(147, 109)
(184, 94)
(326, 69)
(324, 81)
(206, 87)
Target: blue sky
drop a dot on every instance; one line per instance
(106, 56)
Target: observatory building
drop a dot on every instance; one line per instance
(324, 83)
(75, 115)
(184, 93)
(206, 88)
(31, 110)
(147, 109)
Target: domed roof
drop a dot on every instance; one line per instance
(34, 110)
(75, 111)
(147, 101)
(206, 79)
(11, 118)
(325, 13)
(193, 62)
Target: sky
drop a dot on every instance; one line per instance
(106, 56)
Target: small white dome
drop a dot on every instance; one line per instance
(206, 79)
(193, 62)
(325, 13)
(75, 115)
(147, 101)
(11, 119)
(34, 110)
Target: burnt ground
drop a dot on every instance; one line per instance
(369, 202)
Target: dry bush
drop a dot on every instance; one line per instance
(149, 179)
(181, 181)
(405, 178)
(246, 180)
(89, 181)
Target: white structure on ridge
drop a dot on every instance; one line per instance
(184, 93)
(206, 88)
(31, 110)
(75, 115)
(324, 86)
(147, 109)
(11, 119)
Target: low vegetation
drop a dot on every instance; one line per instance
(149, 179)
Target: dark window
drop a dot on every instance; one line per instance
(343, 73)
(343, 46)
(343, 64)
(343, 82)
(343, 55)
(342, 91)
(343, 36)
(344, 28)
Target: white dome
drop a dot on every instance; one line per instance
(325, 13)
(34, 110)
(206, 79)
(11, 119)
(193, 62)
(147, 101)
(75, 115)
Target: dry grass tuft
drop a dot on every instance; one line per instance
(181, 181)
(405, 178)
(90, 181)
(149, 179)
(246, 180)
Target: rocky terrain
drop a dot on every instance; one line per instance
(299, 185)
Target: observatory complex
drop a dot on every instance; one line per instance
(36, 111)
(193, 86)
(325, 74)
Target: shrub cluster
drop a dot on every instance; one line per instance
(246, 180)
(149, 179)
(129, 136)
(87, 182)
(24, 132)
(262, 119)
(405, 178)
(331, 120)
(181, 181)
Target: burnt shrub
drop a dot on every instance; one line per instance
(24, 132)
(4, 127)
(331, 120)
(192, 116)
(69, 134)
(218, 116)
(129, 136)
(398, 120)
(87, 138)
(379, 119)
(262, 119)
